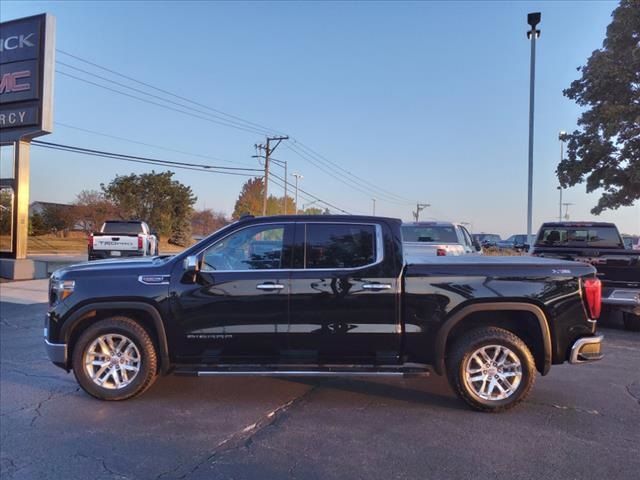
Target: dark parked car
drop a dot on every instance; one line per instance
(600, 244)
(322, 295)
(487, 240)
(515, 242)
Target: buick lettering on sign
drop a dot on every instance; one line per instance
(26, 77)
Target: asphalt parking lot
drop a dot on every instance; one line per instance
(580, 422)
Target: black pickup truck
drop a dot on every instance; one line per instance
(600, 244)
(321, 295)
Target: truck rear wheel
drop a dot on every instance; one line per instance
(631, 322)
(491, 369)
(115, 359)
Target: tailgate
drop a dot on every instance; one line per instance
(115, 242)
(616, 267)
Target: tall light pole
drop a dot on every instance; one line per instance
(560, 206)
(297, 177)
(532, 19)
(561, 138)
(374, 206)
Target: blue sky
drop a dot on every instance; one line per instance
(426, 100)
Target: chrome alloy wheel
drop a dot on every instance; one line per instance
(493, 372)
(112, 361)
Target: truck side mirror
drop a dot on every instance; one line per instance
(191, 264)
(477, 246)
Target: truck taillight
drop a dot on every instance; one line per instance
(441, 252)
(593, 294)
(139, 242)
(90, 240)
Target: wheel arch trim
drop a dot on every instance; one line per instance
(444, 331)
(80, 315)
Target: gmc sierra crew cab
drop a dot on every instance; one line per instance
(322, 295)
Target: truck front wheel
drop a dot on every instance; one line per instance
(115, 359)
(491, 369)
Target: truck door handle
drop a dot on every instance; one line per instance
(377, 286)
(269, 286)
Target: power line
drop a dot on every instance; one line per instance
(114, 72)
(218, 122)
(339, 167)
(106, 135)
(347, 181)
(312, 196)
(145, 160)
(231, 121)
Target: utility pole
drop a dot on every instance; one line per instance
(268, 150)
(532, 19)
(297, 177)
(419, 208)
(374, 206)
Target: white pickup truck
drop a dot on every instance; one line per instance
(431, 239)
(122, 238)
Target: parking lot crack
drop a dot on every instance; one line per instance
(244, 437)
(633, 390)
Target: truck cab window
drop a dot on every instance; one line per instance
(339, 246)
(253, 248)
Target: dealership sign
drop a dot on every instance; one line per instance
(27, 50)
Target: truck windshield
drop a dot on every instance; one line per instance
(430, 233)
(122, 227)
(579, 237)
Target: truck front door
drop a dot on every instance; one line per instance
(236, 309)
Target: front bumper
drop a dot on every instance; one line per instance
(57, 352)
(587, 349)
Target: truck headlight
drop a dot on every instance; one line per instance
(62, 288)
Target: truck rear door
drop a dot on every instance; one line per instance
(344, 304)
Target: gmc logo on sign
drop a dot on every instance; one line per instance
(10, 83)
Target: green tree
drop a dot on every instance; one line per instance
(58, 218)
(37, 225)
(312, 211)
(164, 203)
(275, 205)
(605, 150)
(6, 211)
(250, 200)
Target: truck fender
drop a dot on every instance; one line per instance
(457, 317)
(80, 315)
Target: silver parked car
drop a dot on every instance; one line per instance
(431, 239)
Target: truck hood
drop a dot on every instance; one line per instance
(116, 266)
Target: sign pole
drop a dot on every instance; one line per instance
(21, 202)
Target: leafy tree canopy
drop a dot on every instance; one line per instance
(251, 198)
(605, 150)
(164, 203)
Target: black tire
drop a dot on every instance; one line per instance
(121, 327)
(461, 357)
(631, 322)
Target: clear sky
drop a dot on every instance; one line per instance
(427, 100)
